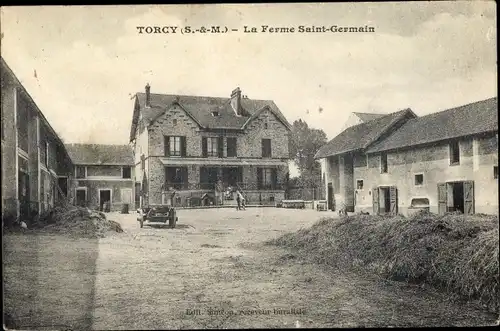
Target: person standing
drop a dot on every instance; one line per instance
(238, 200)
(242, 200)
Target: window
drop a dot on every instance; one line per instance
(174, 121)
(266, 123)
(81, 172)
(175, 146)
(359, 184)
(126, 172)
(419, 179)
(271, 198)
(176, 178)
(231, 147)
(212, 146)
(495, 172)
(383, 163)
(266, 178)
(266, 147)
(454, 153)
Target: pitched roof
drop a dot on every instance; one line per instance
(6, 69)
(97, 154)
(474, 118)
(367, 117)
(200, 109)
(362, 135)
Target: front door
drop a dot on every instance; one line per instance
(104, 197)
(329, 197)
(81, 197)
(385, 200)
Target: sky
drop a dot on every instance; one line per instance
(90, 61)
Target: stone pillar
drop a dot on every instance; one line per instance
(193, 176)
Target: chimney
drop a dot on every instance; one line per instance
(236, 101)
(148, 95)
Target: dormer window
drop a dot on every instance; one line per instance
(215, 113)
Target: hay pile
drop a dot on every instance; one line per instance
(458, 253)
(76, 221)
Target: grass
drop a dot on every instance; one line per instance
(457, 253)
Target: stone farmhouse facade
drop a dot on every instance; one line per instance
(34, 159)
(102, 174)
(402, 163)
(201, 147)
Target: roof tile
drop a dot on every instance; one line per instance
(474, 118)
(93, 154)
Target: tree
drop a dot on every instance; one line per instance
(304, 144)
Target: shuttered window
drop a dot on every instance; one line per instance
(212, 149)
(175, 146)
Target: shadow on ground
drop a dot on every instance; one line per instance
(49, 281)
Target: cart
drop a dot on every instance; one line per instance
(157, 215)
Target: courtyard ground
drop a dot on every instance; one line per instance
(212, 271)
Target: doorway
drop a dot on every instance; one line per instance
(62, 182)
(104, 197)
(329, 197)
(81, 197)
(457, 197)
(385, 200)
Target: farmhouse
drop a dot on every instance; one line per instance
(103, 176)
(34, 159)
(401, 163)
(207, 147)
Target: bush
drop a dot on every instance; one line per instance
(455, 252)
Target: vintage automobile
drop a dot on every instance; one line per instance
(157, 215)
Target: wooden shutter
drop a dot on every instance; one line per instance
(240, 175)
(183, 146)
(274, 178)
(167, 146)
(204, 149)
(469, 197)
(259, 178)
(231, 147)
(220, 146)
(375, 194)
(184, 174)
(263, 148)
(442, 198)
(393, 197)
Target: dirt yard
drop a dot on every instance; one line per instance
(212, 271)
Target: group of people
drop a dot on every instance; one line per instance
(240, 200)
